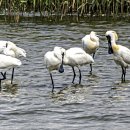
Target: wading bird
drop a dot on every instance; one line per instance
(10, 49)
(121, 53)
(54, 61)
(90, 44)
(76, 57)
(7, 62)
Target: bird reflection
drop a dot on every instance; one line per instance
(76, 93)
(10, 88)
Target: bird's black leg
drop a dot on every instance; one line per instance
(91, 64)
(80, 76)
(93, 55)
(123, 74)
(74, 75)
(12, 76)
(4, 77)
(90, 69)
(0, 84)
(52, 83)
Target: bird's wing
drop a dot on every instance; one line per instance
(125, 54)
(8, 61)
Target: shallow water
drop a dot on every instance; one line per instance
(101, 102)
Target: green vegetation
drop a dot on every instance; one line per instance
(61, 8)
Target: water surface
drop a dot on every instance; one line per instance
(101, 102)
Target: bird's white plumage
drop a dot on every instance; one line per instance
(9, 48)
(4, 43)
(14, 51)
(77, 57)
(124, 52)
(7, 62)
(53, 59)
(111, 32)
(90, 43)
(74, 57)
(121, 53)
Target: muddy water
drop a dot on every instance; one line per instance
(101, 102)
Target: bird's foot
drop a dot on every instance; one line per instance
(4, 76)
(72, 82)
(90, 72)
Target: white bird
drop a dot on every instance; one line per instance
(90, 44)
(76, 57)
(121, 53)
(54, 61)
(7, 62)
(10, 49)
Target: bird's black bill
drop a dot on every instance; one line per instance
(61, 69)
(110, 50)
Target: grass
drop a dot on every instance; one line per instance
(62, 8)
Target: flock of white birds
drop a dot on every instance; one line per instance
(76, 57)
(9, 54)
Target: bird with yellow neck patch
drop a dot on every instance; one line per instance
(90, 44)
(121, 53)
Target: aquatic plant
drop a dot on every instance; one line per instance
(61, 8)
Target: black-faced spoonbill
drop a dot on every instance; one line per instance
(7, 62)
(90, 44)
(10, 49)
(121, 53)
(76, 57)
(54, 61)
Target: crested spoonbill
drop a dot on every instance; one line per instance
(54, 61)
(7, 62)
(90, 44)
(121, 53)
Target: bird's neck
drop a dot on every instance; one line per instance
(115, 47)
(95, 39)
(65, 60)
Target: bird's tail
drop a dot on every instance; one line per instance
(21, 52)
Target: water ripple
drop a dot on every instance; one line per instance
(101, 102)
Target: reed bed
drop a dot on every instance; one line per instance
(61, 8)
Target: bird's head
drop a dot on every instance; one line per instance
(60, 52)
(94, 36)
(111, 38)
(111, 35)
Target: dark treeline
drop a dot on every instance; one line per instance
(62, 8)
